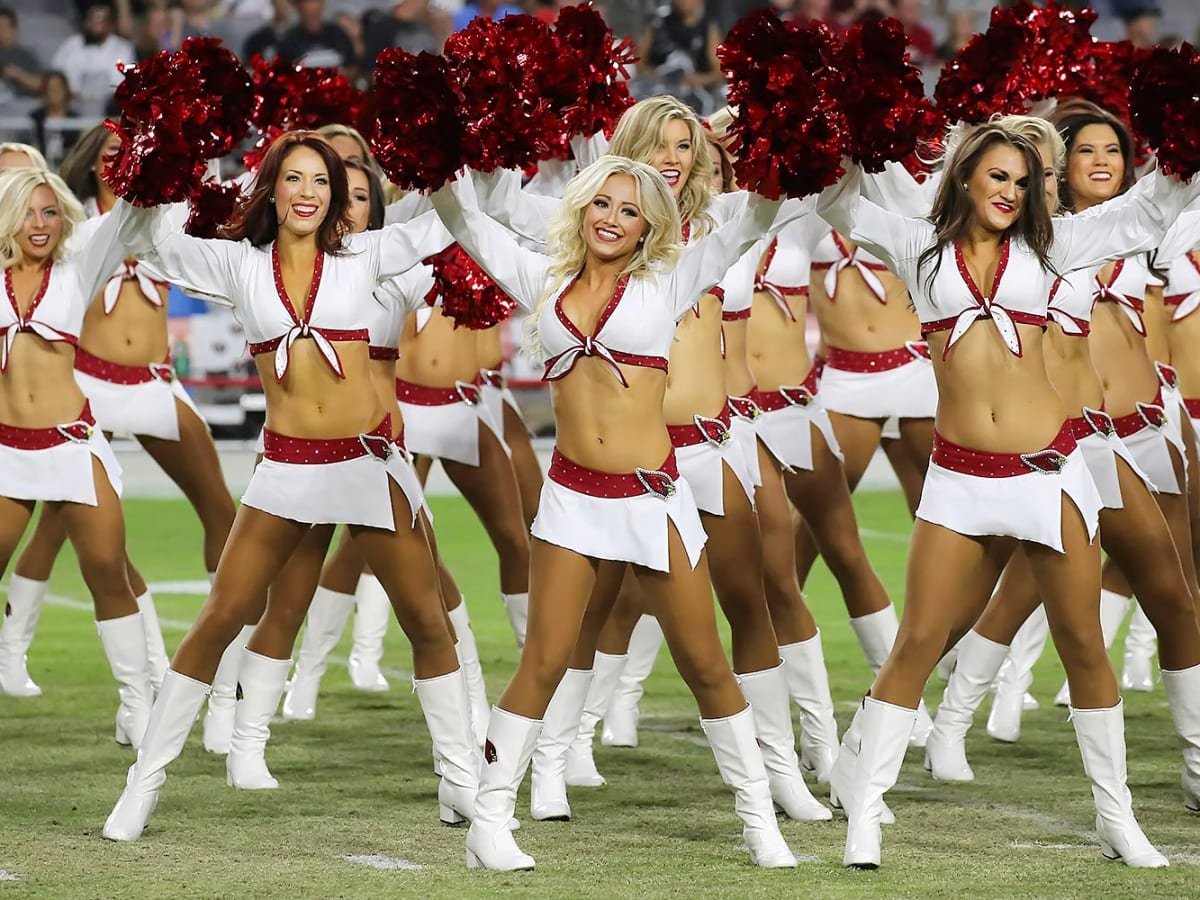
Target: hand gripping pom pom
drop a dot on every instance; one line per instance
(213, 207)
(418, 137)
(468, 294)
(789, 134)
(882, 96)
(1164, 104)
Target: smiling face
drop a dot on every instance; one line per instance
(302, 192)
(613, 225)
(675, 155)
(997, 188)
(1095, 165)
(359, 208)
(43, 226)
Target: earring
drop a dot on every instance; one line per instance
(271, 199)
(964, 187)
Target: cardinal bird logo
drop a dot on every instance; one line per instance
(79, 432)
(489, 752)
(1154, 416)
(238, 693)
(655, 482)
(1167, 375)
(745, 408)
(162, 372)
(1048, 462)
(919, 349)
(714, 430)
(468, 393)
(797, 396)
(379, 447)
(1099, 422)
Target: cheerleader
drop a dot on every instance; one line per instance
(1132, 531)
(302, 289)
(124, 368)
(614, 495)
(1005, 468)
(53, 451)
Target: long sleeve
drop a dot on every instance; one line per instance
(1182, 237)
(407, 208)
(894, 238)
(395, 249)
(589, 149)
(407, 290)
(520, 273)
(1122, 227)
(95, 260)
(551, 177)
(896, 189)
(209, 268)
(501, 198)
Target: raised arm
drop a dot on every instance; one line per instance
(892, 237)
(407, 208)
(501, 198)
(896, 189)
(208, 268)
(1182, 237)
(520, 273)
(397, 248)
(107, 244)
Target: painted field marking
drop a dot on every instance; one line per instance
(885, 535)
(379, 861)
(9, 876)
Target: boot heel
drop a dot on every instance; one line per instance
(473, 861)
(1108, 852)
(121, 737)
(450, 816)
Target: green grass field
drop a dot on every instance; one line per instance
(358, 781)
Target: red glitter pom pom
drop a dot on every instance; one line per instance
(1164, 104)
(496, 68)
(789, 134)
(418, 138)
(153, 168)
(882, 95)
(213, 207)
(468, 294)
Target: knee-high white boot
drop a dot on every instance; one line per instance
(124, 642)
(372, 610)
(1101, 737)
(1137, 673)
(945, 751)
(548, 799)
(767, 694)
(517, 607)
(876, 632)
(156, 650)
(1113, 607)
(218, 721)
(841, 776)
(808, 685)
(468, 658)
(885, 732)
(1183, 693)
(259, 687)
(621, 717)
(323, 629)
(447, 711)
(174, 713)
(1016, 675)
(581, 761)
(490, 844)
(21, 611)
(740, 763)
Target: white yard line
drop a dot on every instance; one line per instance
(379, 861)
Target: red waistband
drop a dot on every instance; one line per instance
(746, 407)
(875, 361)
(1146, 415)
(116, 373)
(785, 396)
(387, 353)
(428, 395)
(79, 431)
(1093, 421)
(1192, 407)
(493, 378)
(614, 485)
(714, 431)
(318, 451)
(330, 334)
(982, 464)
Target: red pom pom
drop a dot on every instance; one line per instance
(418, 138)
(789, 134)
(1027, 53)
(496, 74)
(468, 294)
(153, 168)
(213, 207)
(882, 95)
(1165, 107)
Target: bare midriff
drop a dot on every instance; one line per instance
(133, 334)
(38, 390)
(696, 378)
(312, 401)
(778, 346)
(439, 354)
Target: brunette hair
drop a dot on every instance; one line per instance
(78, 170)
(255, 221)
(728, 181)
(952, 209)
(374, 191)
(1070, 118)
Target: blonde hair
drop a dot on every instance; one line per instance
(640, 133)
(391, 192)
(722, 120)
(1040, 133)
(658, 248)
(36, 160)
(16, 187)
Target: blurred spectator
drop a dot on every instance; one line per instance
(922, 45)
(155, 31)
(412, 25)
(19, 66)
(680, 46)
(486, 9)
(265, 41)
(193, 18)
(1141, 23)
(963, 25)
(124, 20)
(352, 25)
(56, 104)
(314, 42)
(89, 59)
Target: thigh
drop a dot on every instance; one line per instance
(96, 532)
(1069, 582)
(858, 439)
(491, 487)
(603, 598)
(1175, 510)
(524, 461)
(402, 560)
(822, 497)
(628, 607)
(14, 519)
(1013, 603)
(42, 549)
(422, 465)
(734, 545)
(344, 566)
(192, 463)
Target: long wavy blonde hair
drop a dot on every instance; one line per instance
(16, 187)
(642, 130)
(658, 249)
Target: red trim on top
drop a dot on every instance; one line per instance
(24, 320)
(384, 353)
(969, 279)
(331, 334)
(313, 286)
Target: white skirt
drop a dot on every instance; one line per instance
(1026, 507)
(350, 492)
(63, 473)
(745, 435)
(787, 433)
(146, 409)
(1100, 454)
(450, 431)
(1151, 447)
(495, 399)
(625, 529)
(905, 392)
(703, 466)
